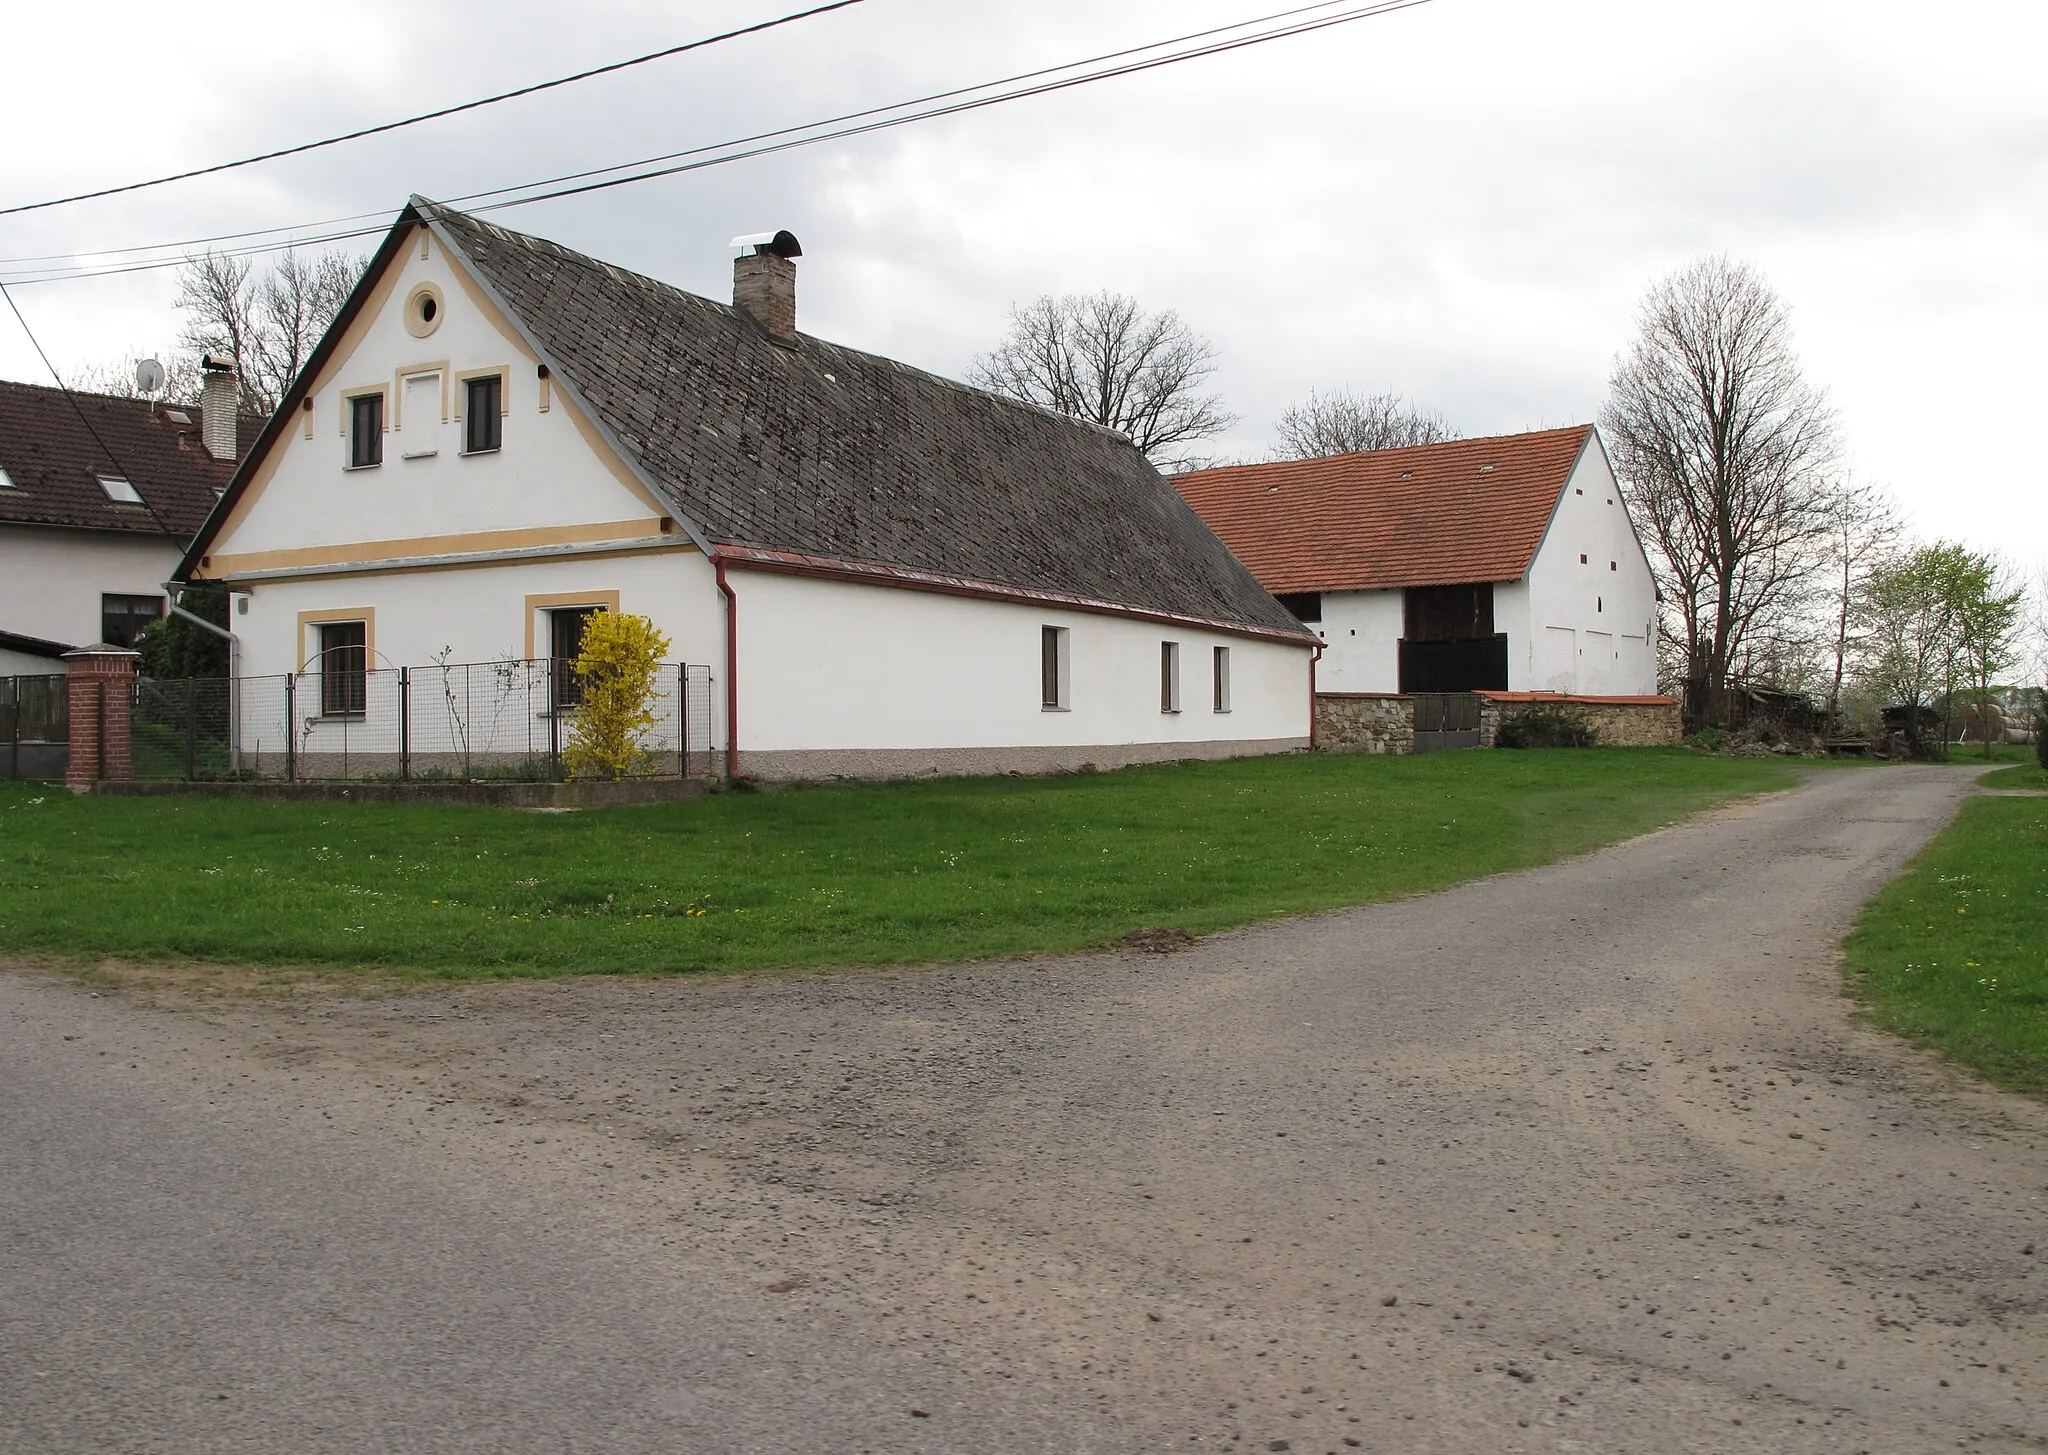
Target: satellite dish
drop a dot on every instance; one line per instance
(149, 376)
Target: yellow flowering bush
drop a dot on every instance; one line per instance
(621, 653)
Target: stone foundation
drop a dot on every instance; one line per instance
(887, 763)
(1621, 722)
(1365, 722)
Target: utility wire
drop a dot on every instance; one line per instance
(313, 146)
(79, 410)
(790, 138)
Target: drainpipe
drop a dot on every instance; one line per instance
(1315, 658)
(732, 670)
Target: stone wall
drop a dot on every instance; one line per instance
(1621, 722)
(1383, 722)
(1364, 722)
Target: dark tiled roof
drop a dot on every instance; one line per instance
(1430, 515)
(55, 462)
(817, 451)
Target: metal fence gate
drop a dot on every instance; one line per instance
(1446, 720)
(35, 726)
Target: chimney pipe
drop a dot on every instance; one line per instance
(764, 280)
(217, 408)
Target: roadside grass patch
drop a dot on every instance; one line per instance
(844, 874)
(2020, 775)
(1953, 955)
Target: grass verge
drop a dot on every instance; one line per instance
(2020, 775)
(1953, 955)
(950, 869)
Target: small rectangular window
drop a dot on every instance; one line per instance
(1053, 668)
(365, 431)
(344, 668)
(1220, 657)
(123, 619)
(483, 415)
(119, 490)
(1305, 605)
(1169, 676)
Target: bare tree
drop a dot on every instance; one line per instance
(1103, 358)
(1864, 529)
(117, 377)
(267, 324)
(1724, 452)
(1343, 423)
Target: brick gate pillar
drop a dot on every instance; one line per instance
(102, 690)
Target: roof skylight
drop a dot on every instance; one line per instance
(119, 490)
(5, 482)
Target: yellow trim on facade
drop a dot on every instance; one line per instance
(349, 396)
(367, 615)
(547, 600)
(449, 545)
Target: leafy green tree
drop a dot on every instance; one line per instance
(174, 647)
(1987, 606)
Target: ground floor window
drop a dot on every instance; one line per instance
(344, 668)
(1220, 677)
(565, 644)
(1169, 676)
(123, 619)
(1053, 668)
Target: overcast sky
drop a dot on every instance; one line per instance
(1463, 201)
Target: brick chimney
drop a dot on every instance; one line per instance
(217, 408)
(764, 280)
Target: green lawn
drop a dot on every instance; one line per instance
(848, 874)
(1954, 954)
(2021, 775)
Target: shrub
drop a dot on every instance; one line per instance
(2041, 738)
(1544, 726)
(621, 653)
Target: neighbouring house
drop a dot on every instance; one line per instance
(1506, 564)
(886, 572)
(99, 496)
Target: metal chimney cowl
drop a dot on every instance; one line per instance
(217, 398)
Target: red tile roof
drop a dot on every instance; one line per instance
(1430, 515)
(54, 461)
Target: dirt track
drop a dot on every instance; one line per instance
(1590, 1158)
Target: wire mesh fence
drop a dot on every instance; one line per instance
(35, 726)
(504, 721)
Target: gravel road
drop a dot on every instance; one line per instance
(1590, 1158)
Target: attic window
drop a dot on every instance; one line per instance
(1486, 469)
(6, 482)
(178, 417)
(119, 490)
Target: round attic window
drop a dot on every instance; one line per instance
(423, 310)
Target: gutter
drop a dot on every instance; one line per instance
(172, 589)
(732, 669)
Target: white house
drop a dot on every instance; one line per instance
(887, 573)
(1505, 564)
(99, 496)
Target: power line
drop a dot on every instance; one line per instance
(791, 138)
(313, 146)
(79, 410)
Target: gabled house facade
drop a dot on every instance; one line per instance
(99, 496)
(1506, 564)
(887, 573)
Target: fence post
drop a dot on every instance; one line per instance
(14, 727)
(99, 740)
(291, 727)
(554, 701)
(191, 729)
(404, 724)
(683, 717)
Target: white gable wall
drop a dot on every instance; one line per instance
(1591, 624)
(54, 579)
(1361, 632)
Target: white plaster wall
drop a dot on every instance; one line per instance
(1608, 603)
(832, 665)
(544, 476)
(21, 664)
(51, 580)
(479, 614)
(1361, 632)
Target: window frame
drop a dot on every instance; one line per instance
(1219, 678)
(344, 689)
(565, 683)
(492, 381)
(1055, 669)
(361, 442)
(130, 601)
(1169, 677)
